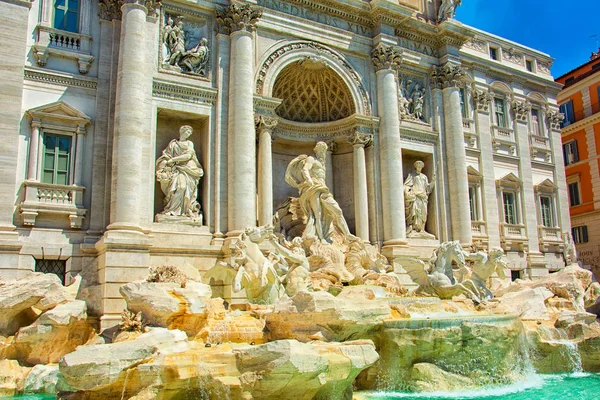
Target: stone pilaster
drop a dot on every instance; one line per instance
(14, 16)
(240, 22)
(264, 125)
(331, 149)
(521, 110)
(361, 200)
(482, 103)
(553, 119)
(448, 78)
(386, 61)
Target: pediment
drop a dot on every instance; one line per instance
(59, 111)
(509, 181)
(546, 186)
(473, 175)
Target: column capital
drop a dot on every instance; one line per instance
(331, 145)
(482, 100)
(36, 123)
(447, 76)
(237, 18)
(521, 109)
(358, 139)
(554, 119)
(111, 9)
(386, 57)
(263, 122)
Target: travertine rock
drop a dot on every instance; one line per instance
(169, 305)
(429, 378)
(100, 366)
(567, 318)
(42, 291)
(12, 377)
(309, 313)
(55, 333)
(45, 379)
(529, 302)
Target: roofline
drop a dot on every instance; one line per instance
(576, 68)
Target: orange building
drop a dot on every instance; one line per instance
(579, 101)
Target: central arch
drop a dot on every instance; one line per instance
(281, 55)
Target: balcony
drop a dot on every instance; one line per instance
(503, 134)
(551, 239)
(513, 235)
(55, 42)
(479, 229)
(52, 200)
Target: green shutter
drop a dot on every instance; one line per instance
(56, 162)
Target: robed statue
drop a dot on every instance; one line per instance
(416, 196)
(178, 171)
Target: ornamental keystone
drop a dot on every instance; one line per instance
(237, 18)
(360, 139)
(386, 57)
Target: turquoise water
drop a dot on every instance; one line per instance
(577, 386)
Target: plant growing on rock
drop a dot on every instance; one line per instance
(167, 273)
(131, 322)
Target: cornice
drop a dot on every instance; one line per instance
(579, 125)
(184, 93)
(59, 78)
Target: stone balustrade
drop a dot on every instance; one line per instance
(44, 198)
(55, 42)
(550, 237)
(502, 133)
(513, 234)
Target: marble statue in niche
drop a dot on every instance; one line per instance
(323, 213)
(178, 171)
(184, 50)
(411, 100)
(416, 196)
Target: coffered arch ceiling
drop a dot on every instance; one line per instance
(312, 92)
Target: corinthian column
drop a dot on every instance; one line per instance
(386, 61)
(132, 76)
(361, 201)
(448, 79)
(264, 125)
(239, 22)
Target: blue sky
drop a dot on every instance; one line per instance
(561, 29)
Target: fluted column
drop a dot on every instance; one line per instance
(239, 22)
(386, 61)
(361, 201)
(34, 143)
(129, 133)
(448, 79)
(264, 125)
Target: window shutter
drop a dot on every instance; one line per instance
(585, 234)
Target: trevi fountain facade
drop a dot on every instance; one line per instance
(279, 199)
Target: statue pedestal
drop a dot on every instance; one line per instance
(178, 219)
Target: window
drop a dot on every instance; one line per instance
(547, 211)
(515, 274)
(499, 111)
(536, 127)
(66, 15)
(463, 108)
(529, 65)
(567, 110)
(57, 267)
(509, 202)
(493, 53)
(56, 159)
(574, 198)
(570, 152)
(580, 234)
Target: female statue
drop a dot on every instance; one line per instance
(416, 194)
(179, 171)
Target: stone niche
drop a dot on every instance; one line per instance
(167, 129)
(408, 159)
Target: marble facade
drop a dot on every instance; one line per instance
(383, 83)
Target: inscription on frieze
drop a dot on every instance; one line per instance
(418, 47)
(316, 16)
